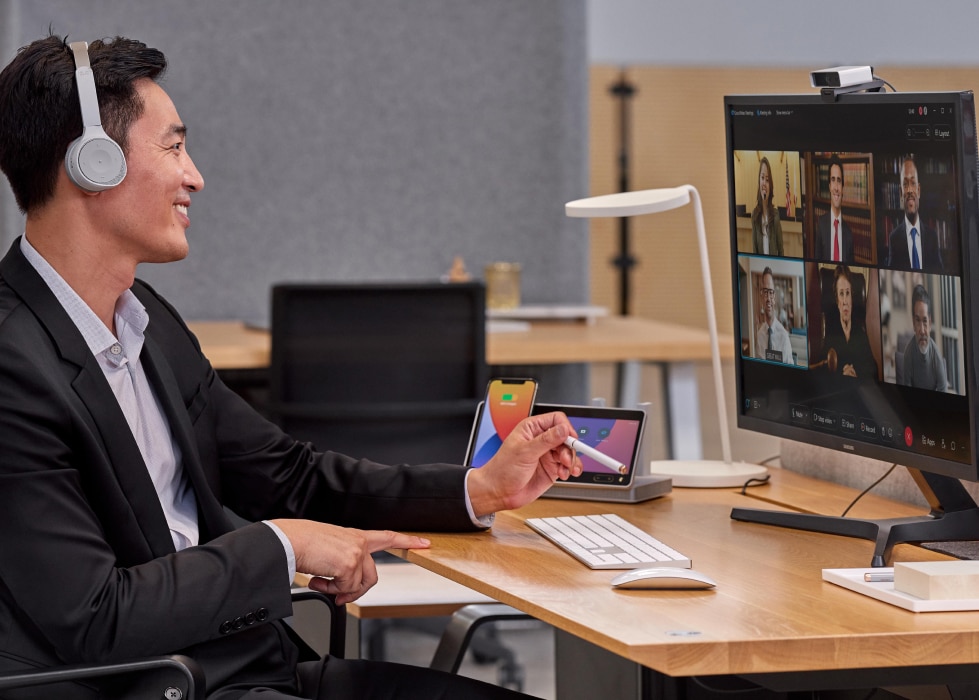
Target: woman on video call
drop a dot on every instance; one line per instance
(854, 358)
(766, 229)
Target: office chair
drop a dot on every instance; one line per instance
(391, 372)
(170, 677)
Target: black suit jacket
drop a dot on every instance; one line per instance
(88, 571)
(824, 239)
(898, 257)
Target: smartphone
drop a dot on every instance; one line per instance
(507, 402)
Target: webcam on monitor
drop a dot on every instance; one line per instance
(841, 76)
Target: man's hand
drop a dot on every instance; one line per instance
(528, 462)
(339, 558)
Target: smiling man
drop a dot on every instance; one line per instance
(772, 341)
(120, 446)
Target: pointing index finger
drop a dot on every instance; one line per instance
(378, 540)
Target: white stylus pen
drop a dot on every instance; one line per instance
(600, 457)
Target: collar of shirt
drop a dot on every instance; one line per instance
(908, 225)
(130, 315)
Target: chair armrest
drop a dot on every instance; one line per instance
(173, 677)
(463, 623)
(338, 618)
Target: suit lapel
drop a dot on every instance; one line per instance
(125, 458)
(212, 520)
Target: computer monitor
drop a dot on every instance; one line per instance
(856, 288)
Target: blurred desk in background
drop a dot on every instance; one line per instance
(241, 351)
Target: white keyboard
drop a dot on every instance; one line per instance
(607, 542)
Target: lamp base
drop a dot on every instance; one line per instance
(707, 473)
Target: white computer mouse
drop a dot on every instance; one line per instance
(663, 577)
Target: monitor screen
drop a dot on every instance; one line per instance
(853, 229)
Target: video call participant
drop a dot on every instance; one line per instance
(850, 343)
(772, 341)
(923, 364)
(120, 446)
(766, 228)
(911, 246)
(834, 239)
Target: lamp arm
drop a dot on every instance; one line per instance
(711, 325)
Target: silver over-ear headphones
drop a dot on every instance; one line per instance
(94, 161)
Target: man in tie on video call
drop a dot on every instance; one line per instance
(912, 246)
(835, 239)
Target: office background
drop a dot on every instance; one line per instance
(346, 140)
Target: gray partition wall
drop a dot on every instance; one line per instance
(372, 139)
(359, 139)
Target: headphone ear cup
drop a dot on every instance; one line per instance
(94, 161)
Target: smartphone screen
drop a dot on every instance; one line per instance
(507, 402)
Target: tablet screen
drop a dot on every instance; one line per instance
(617, 432)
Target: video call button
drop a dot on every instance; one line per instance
(848, 424)
(887, 432)
(869, 430)
(908, 436)
(827, 420)
(799, 414)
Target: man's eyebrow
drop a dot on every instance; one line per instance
(177, 129)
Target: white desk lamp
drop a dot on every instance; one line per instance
(690, 473)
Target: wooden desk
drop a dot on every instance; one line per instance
(231, 345)
(770, 614)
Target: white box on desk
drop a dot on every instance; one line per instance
(938, 580)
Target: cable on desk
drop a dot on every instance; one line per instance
(864, 492)
(756, 480)
(761, 479)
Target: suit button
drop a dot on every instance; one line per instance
(262, 614)
(250, 619)
(237, 623)
(225, 627)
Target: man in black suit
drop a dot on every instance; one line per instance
(834, 239)
(120, 446)
(911, 246)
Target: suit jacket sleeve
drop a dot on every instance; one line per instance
(260, 472)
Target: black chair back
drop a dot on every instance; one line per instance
(391, 372)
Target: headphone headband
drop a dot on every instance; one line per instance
(86, 85)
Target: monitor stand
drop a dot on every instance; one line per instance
(954, 517)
